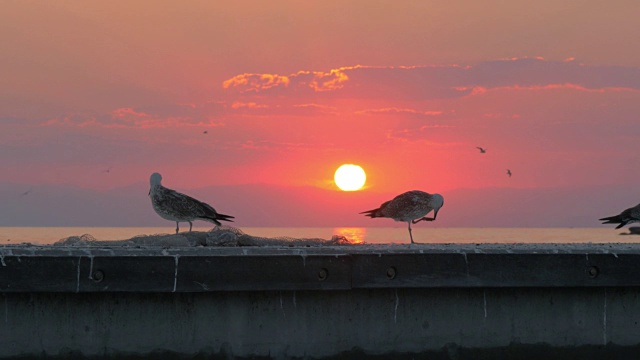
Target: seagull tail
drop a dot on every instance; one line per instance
(223, 217)
(617, 219)
(372, 213)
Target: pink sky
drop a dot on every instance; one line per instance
(288, 90)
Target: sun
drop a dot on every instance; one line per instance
(350, 177)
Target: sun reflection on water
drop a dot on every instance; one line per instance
(355, 235)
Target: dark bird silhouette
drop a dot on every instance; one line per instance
(175, 206)
(107, 170)
(509, 172)
(205, 132)
(627, 216)
(482, 150)
(27, 192)
(411, 207)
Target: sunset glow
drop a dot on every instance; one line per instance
(254, 113)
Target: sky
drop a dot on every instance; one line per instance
(252, 106)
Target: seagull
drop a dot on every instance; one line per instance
(205, 132)
(628, 216)
(26, 192)
(482, 150)
(107, 170)
(408, 207)
(509, 172)
(174, 206)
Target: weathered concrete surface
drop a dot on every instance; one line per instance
(313, 324)
(445, 301)
(204, 269)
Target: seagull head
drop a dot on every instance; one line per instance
(436, 203)
(155, 179)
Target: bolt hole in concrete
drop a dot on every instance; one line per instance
(98, 276)
(593, 272)
(323, 274)
(391, 273)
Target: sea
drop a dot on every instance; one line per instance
(357, 235)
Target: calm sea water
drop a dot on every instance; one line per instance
(49, 235)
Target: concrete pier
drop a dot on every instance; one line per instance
(385, 301)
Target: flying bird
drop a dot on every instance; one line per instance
(175, 206)
(107, 170)
(628, 216)
(411, 206)
(482, 150)
(509, 172)
(26, 192)
(205, 132)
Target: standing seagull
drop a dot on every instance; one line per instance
(408, 207)
(509, 172)
(628, 216)
(174, 206)
(482, 150)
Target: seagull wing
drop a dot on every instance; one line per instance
(408, 202)
(185, 204)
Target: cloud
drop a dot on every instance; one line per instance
(333, 80)
(71, 120)
(395, 90)
(437, 82)
(250, 105)
(128, 112)
(255, 82)
(267, 145)
(537, 71)
(120, 118)
(11, 120)
(356, 81)
(275, 110)
(309, 110)
(400, 112)
(313, 80)
(208, 114)
(480, 90)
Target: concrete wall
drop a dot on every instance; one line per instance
(434, 301)
(449, 323)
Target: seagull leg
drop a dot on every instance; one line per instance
(177, 228)
(410, 235)
(190, 226)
